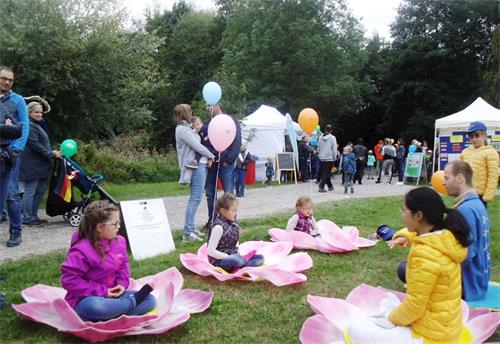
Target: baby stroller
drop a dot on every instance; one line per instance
(61, 200)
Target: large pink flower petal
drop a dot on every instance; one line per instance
(318, 330)
(367, 298)
(363, 302)
(41, 292)
(332, 240)
(164, 324)
(339, 312)
(279, 268)
(192, 301)
(45, 307)
(299, 239)
(483, 326)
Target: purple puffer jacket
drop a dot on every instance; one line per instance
(86, 273)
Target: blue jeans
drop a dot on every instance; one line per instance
(239, 181)
(98, 308)
(197, 186)
(34, 190)
(5, 172)
(235, 261)
(13, 199)
(400, 163)
(348, 180)
(226, 175)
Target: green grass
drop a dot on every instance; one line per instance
(243, 312)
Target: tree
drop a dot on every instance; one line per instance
(440, 51)
(96, 75)
(292, 54)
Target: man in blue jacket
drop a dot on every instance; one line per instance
(12, 110)
(476, 269)
(225, 160)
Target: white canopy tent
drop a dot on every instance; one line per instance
(268, 125)
(450, 130)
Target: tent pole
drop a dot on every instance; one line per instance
(436, 147)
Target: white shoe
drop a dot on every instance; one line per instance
(198, 233)
(191, 237)
(399, 183)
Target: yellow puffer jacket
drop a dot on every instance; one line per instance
(432, 306)
(484, 164)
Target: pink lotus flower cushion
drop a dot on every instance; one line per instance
(280, 267)
(333, 239)
(46, 304)
(334, 315)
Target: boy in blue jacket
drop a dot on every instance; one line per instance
(476, 269)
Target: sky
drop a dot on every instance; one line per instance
(375, 15)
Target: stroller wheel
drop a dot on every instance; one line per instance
(75, 219)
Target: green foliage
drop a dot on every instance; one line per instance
(243, 312)
(291, 54)
(96, 75)
(125, 160)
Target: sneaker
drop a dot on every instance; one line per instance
(14, 240)
(321, 190)
(399, 183)
(352, 189)
(345, 191)
(192, 165)
(191, 237)
(330, 188)
(199, 233)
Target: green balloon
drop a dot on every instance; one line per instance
(318, 128)
(69, 148)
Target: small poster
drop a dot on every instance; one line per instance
(414, 165)
(147, 228)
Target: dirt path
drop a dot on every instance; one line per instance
(257, 202)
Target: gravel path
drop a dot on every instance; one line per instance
(257, 202)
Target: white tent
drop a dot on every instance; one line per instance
(450, 130)
(268, 124)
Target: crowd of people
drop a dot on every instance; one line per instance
(449, 256)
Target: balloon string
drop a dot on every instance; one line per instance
(215, 186)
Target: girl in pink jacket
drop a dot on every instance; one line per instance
(96, 270)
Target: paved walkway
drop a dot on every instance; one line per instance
(257, 202)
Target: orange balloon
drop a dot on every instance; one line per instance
(437, 182)
(308, 120)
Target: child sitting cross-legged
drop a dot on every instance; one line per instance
(224, 236)
(302, 220)
(96, 271)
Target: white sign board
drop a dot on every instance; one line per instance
(147, 227)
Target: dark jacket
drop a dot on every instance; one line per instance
(13, 106)
(36, 159)
(231, 153)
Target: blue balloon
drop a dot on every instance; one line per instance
(412, 148)
(212, 93)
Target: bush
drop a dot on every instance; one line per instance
(125, 160)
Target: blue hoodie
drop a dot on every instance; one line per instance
(13, 106)
(476, 268)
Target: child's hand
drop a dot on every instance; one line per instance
(116, 291)
(399, 241)
(209, 163)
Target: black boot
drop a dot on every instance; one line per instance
(14, 240)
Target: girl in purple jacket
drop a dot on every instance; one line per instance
(96, 270)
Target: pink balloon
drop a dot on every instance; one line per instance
(221, 132)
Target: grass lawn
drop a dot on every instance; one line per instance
(243, 312)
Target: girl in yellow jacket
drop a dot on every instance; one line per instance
(431, 311)
(483, 159)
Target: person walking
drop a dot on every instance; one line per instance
(327, 153)
(361, 153)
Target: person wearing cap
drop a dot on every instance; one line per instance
(483, 160)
